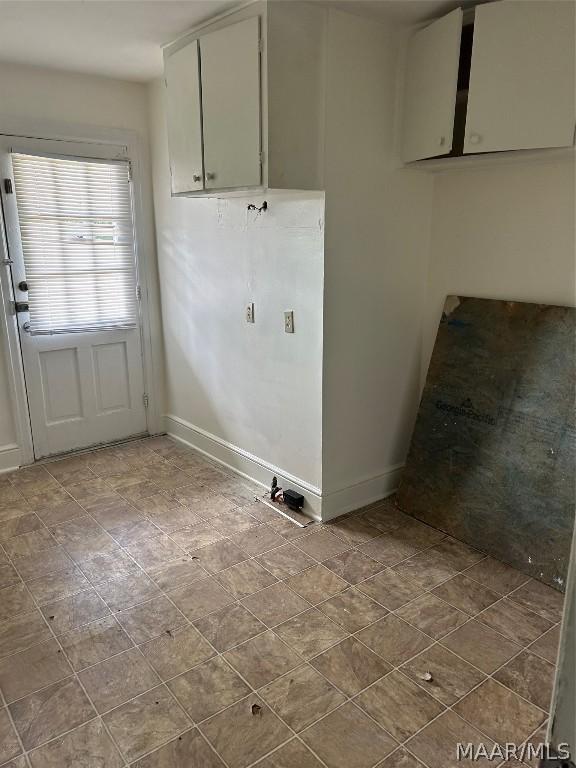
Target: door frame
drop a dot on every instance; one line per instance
(82, 136)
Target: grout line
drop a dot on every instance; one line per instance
(217, 654)
(304, 660)
(13, 724)
(77, 678)
(80, 682)
(190, 623)
(114, 613)
(351, 546)
(164, 682)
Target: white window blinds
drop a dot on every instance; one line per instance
(77, 243)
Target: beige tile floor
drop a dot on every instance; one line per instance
(153, 614)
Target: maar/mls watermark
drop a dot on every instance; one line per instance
(510, 751)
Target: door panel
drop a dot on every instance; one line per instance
(522, 77)
(84, 378)
(83, 389)
(184, 119)
(60, 385)
(111, 377)
(230, 61)
(431, 85)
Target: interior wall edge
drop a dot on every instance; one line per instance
(361, 494)
(242, 462)
(371, 365)
(319, 506)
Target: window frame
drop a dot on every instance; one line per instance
(134, 258)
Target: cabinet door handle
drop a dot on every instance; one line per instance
(475, 138)
(210, 176)
(196, 177)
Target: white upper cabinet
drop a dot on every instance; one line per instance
(503, 81)
(522, 77)
(231, 105)
(431, 84)
(184, 119)
(245, 100)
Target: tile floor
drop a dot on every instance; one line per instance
(153, 614)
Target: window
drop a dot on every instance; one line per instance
(77, 237)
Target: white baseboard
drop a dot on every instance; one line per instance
(360, 494)
(242, 462)
(10, 457)
(318, 505)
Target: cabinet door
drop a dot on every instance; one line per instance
(522, 77)
(431, 84)
(182, 76)
(230, 59)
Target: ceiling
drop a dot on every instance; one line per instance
(122, 38)
(116, 38)
(402, 11)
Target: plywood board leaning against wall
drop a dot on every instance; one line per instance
(492, 460)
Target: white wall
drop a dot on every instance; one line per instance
(230, 384)
(506, 231)
(34, 98)
(333, 405)
(376, 248)
(377, 230)
(398, 240)
(253, 386)
(42, 94)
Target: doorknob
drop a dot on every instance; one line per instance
(196, 177)
(26, 327)
(210, 176)
(23, 286)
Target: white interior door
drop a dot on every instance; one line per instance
(522, 77)
(431, 84)
(184, 119)
(230, 63)
(69, 223)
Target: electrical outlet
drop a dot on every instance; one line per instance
(250, 312)
(289, 321)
